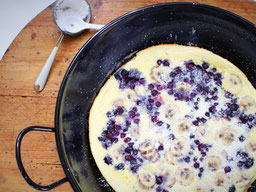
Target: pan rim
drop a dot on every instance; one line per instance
(78, 55)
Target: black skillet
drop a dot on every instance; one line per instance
(217, 30)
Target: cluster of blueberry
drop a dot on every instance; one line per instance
(203, 82)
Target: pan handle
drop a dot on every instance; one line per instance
(21, 167)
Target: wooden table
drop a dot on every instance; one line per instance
(21, 106)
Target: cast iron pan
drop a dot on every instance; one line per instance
(217, 30)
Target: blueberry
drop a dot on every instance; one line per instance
(170, 92)
(127, 139)
(158, 104)
(228, 95)
(127, 123)
(196, 123)
(178, 70)
(159, 123)
(151, 86)
(159, 62)
(186, 80)
(249, 163)
(250, 117)
(136, 121)
(154, 118)
(128, 157)
(149, 107)
(117, 76)
(109, 114)
(243, 118)
(135, 152)
(151, 100)
(215, 98)
(203, 154)
(159, 189)
(242, 138)
(232, 189)
(217, 76)
(133, 162)
(227, 169)
(172, 136)
(131, 114)
(108, 160)
(203, 120)
(187, 159)
(159, 180)
(101, 138)
(154, 92)
(160, 148)
(196, 165)
(240, 164)
(212, 109)
(119, 166)
(173, 74)
(170, 85)
(134, 168)
(205, 65)
(214, 70)
(190, 65)
(108, 143)
(192, 136)
(138, 102)
(166, 62)
(159, 87)
(128, 149)
(142, 81)
(197, 142)
(132, 86)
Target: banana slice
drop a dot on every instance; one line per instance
(135, 132)
(119, 102)
(221, 181)
(126, 99)
(224, 154)
(160, 74)
(163, 171)
(170, 181)
(179, 146)
(248, 104)
(184, 176)
(146, 179)
(183, 87)
(213, 163)
(148, 151)
(169, 175)
(226, 135)
(119, 120)
(201, 131)
(140, 90)
(169, 112)
(250, 146)
(235, 83)
(241, 179)
(170, 158)
(183, 126)
(201, 189)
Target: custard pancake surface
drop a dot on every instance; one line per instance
(175, 118)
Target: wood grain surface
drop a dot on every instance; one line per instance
(21, 107)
